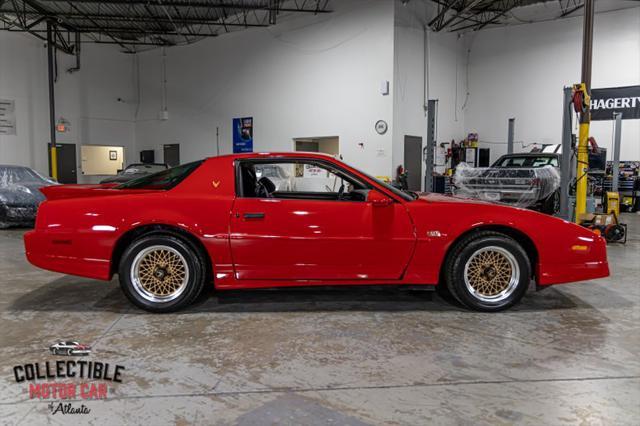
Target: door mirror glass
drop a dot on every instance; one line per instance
(377, 199)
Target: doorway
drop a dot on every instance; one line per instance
(66, 162)
(327, 145)
(413, 161)
(172, 154)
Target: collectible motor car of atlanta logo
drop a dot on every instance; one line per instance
(62, 381)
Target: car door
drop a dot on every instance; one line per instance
(307, 233)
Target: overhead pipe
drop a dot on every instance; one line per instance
(76, 50)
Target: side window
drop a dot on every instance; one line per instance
(299, 180)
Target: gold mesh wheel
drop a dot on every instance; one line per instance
(491, 274)
(159, 273)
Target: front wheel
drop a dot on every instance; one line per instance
(488, 271)
(162, 273)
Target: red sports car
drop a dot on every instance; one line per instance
(224, 221)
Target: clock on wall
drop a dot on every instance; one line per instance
(381, 127)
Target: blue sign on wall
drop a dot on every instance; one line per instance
(243, 134)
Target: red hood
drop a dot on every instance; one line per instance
(58, 192)
(441, 198)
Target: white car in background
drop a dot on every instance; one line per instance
(69, 348)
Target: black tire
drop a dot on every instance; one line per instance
(195, 265)
(471, 246)
(551, 205)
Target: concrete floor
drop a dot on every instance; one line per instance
(566, 355)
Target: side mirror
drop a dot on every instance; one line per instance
(378, 199)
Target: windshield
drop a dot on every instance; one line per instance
(527, 161)
(18, 175)
(165, 179)
(407, 196)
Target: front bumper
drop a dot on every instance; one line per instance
(566, 273)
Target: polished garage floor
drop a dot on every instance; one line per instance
(566, 355)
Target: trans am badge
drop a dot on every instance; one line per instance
(69, 348)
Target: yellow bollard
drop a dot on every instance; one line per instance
(54, 163)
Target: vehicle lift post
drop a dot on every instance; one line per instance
(511, 135)
(53, 168)
(566, 174)
(432, 111)
(585, 114)
(615, 170)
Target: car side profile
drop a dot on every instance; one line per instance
(171, 234)
(69, 348)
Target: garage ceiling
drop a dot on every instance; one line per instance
(133, 23)
(472, 15)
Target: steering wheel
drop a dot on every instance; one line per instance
(265, 188)
(261, 191)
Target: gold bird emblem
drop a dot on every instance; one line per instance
(215, 183)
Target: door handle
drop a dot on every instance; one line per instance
(253, 215)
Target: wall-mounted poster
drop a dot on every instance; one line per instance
(243, 134)
(7, 117)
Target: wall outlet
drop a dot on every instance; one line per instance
(384, 87)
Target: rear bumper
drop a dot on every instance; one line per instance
(566, 273)
(52, 253)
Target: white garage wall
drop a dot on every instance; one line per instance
(444, 78)
(87, 99)
(315, 76)
(520, 72)
(308, 76)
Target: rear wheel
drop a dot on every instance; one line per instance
(488, 271)
(162, 273)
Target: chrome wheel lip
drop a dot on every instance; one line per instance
(511, 285)
(140, 288)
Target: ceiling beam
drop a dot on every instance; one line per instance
(140, 19)
(199, 4)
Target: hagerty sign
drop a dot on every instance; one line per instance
(626, 100)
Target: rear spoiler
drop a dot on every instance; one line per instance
(59, 192)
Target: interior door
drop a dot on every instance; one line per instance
(66, 162)
(317, 238)
(172, 154)
(413, 162)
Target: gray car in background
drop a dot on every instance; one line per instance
(20, 195)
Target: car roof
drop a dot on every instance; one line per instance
(531, 154)
(275, 155)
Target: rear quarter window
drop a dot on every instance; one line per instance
(163, 180)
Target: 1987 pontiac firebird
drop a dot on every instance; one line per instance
(224, 221)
